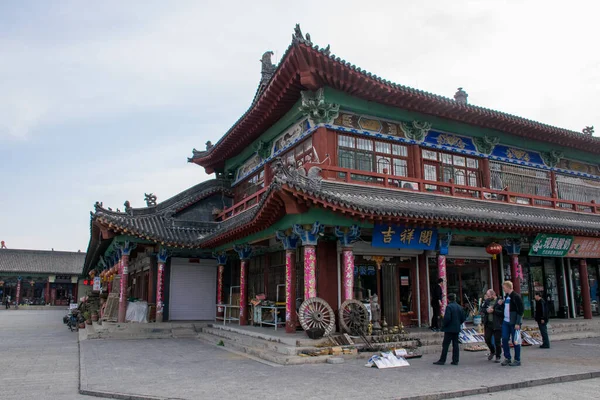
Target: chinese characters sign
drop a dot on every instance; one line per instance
(404, 237)
(584, 247)
(565, 246)
(549, 245)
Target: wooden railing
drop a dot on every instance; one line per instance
(241, 206)
(451, 189)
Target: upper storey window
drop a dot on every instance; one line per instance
(370, 155)
(519, 179)
(578, 189)
(303, 153)
(445, 167)
(249, 186)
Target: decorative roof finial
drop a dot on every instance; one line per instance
(209, 145)
(588, 130)
(298, 37)
(150, 199)
(2, 245)
(461, 96)
(127, 205)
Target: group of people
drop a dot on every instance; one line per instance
(502, 319)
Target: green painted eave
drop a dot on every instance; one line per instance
(313, 214)
(268, 136)
(360, 106)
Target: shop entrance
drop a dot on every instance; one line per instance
(394, 284)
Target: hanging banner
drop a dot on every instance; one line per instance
(551, 245)
(584, 247)
(403, 237)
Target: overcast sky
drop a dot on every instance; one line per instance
(105, 100)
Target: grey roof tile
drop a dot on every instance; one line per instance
(41, 261)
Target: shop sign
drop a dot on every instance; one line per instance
(584, 247)
(404, 237)
(550, 245)
(97, 284)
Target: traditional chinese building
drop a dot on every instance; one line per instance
(339, 184)
(39, 277)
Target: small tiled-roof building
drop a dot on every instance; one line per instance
(39, 276)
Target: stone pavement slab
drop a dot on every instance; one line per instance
(38, 356)
(581, 390)
(190, 369)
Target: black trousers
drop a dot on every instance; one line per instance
(544, 332)
(436, 315)
(450, 337)
(493, 339)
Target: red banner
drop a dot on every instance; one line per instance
(584, 247)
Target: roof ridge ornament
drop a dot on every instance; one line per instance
(416, 130)
(289, 175)
(298, 37)
(588, 130)
(128, 208)
(150, 199)
(461, 96)
(315, 107)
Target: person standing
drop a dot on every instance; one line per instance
(451, 324)
(436, 304)
(541, 317)
(491, 314)
(7, 302)
(513, 317)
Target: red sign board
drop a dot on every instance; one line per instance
(584, 247)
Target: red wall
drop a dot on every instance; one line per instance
(327, 287)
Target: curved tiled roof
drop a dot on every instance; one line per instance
(41, 262)
(302, 58)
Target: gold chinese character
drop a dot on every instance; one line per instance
(426, 237)
(407, 236)
(387, 235)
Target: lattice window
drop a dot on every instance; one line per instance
(518, 179)
(578, 189)
(372, 155)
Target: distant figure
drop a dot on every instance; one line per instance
(451, 325)
(436, 304)
(2, 244)
(7, 301)
(541, 317)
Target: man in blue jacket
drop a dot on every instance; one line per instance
(513, 317)
(453, 319)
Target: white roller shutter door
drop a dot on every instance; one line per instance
(192, 290)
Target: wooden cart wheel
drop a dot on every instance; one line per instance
(316, 313)
(354, 317)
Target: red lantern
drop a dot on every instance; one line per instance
(85, 282)
(493, 249)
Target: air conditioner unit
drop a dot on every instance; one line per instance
(409, 185)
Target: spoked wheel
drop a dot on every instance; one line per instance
(316, 313)
(354, 317)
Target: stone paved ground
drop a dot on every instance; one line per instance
(189, 369)
(38, 356)
(582, 390)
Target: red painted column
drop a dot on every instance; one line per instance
(47, 292)
(18, 294)
(585, 289)
(243, 292)
(124, 265)
(348, 273)
(494, 283)
(515, 272)
(442, 274)
(160, 277)
(290, 292)
(423, 288)
(310, 266)
(75, 292)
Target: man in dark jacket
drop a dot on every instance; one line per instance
(491, 315)
(541, 317)
(453, 319)
(436, 304)
(513, 316)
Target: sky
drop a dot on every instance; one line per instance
(104, 101)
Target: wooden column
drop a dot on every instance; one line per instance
(161, 259)
(585, 289)
(244, 252)
(125, 250)
(290, 243)
(486, 176)
(47, 292)
(309, 235)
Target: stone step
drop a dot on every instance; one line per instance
(262, 353)
(250, 341)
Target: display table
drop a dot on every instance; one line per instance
(274, 310)
(226, 317)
